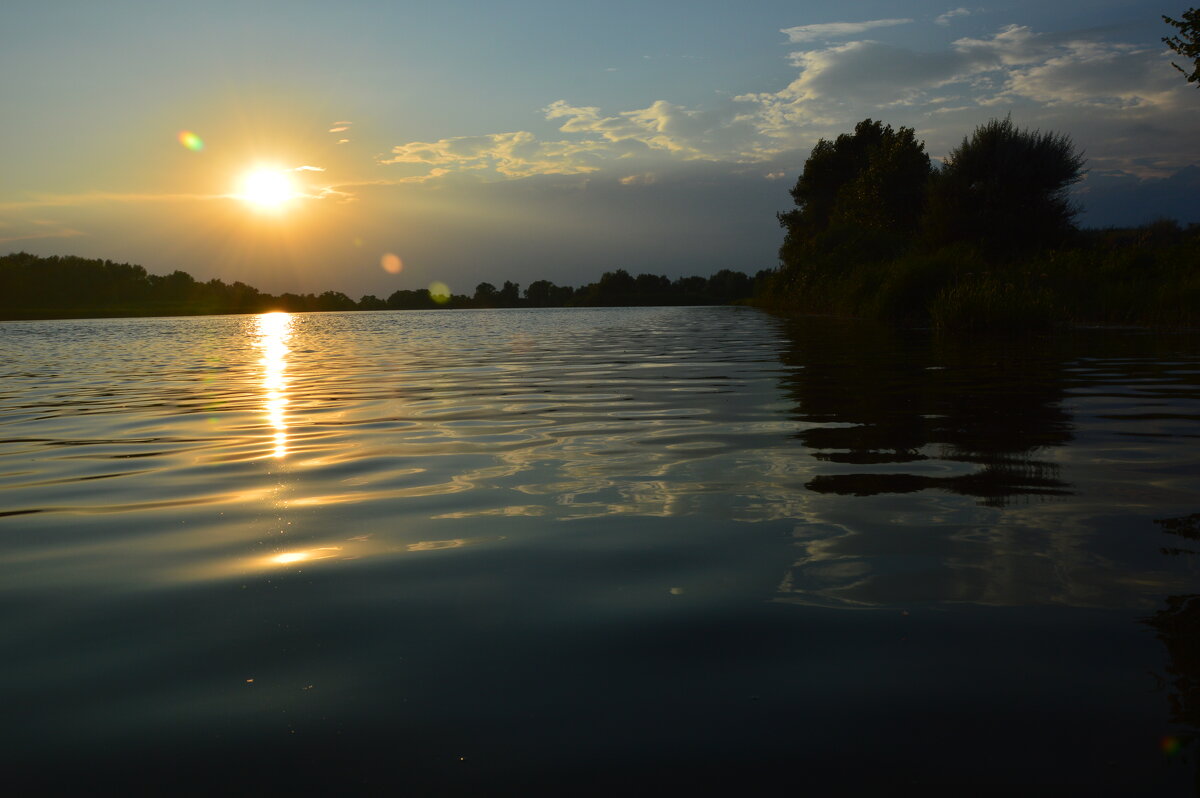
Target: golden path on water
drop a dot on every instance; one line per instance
(274, 330)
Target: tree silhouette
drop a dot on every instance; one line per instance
(867, 186)
(33, 287)
(874, 176)
(485, 295)
(1187, 42)
(510, 295)
(1004, 190)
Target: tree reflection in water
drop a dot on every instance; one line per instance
(1177, 625)
(912, 397)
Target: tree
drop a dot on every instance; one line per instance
(873, 180)
(335, 300)
(613, 289)
(541, 294)
(1004, 190)
(1187, 42)
(485, 295)
(510, 295)
(728, 286)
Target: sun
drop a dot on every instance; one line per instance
(267, 189)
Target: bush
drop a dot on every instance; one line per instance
(1004, 190)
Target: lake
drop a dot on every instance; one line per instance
(612, 550)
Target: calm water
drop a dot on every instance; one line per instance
(596, 550)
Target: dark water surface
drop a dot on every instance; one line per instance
(595, 551)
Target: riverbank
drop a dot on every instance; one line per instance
(1147, 276)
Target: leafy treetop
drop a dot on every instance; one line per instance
(1187, 42)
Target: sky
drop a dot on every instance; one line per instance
(366, 147)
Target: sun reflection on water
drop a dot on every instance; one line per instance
(289, 557)
(274, 330)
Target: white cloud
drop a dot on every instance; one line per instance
(516, 154)
(1087, 73)
(945, 19)
(1103, 92)
(825, 31)
(1013, 44)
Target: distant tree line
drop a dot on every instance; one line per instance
(63, 287)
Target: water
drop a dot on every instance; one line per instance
(575, 550)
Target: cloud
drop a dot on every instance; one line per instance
(945, 19)
(717, 133)
(1110, 94)
(102, 198)
(836, 30)
(515, 154)
(1014, 67)
(1090, 73)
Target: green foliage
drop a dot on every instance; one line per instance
(888, 193)
(37, 287)
(874, 178)
(858, 200)
(1148, 275)
(1187, 42)
(907, 284)
(1004, 190)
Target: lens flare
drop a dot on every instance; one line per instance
(392, 264)
(191, 141)
(1171, 745)
(439, 292)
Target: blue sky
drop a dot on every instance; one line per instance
(534, 140)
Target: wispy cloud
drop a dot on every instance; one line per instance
(951, 15)
(837, 30)
(42, 229)
(516, 154)
(103, 197)
(1107, 93)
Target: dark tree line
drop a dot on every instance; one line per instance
(874, 194)
(986, 239)
(69, 286)
(614, 289)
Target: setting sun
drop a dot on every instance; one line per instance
(267, 189)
